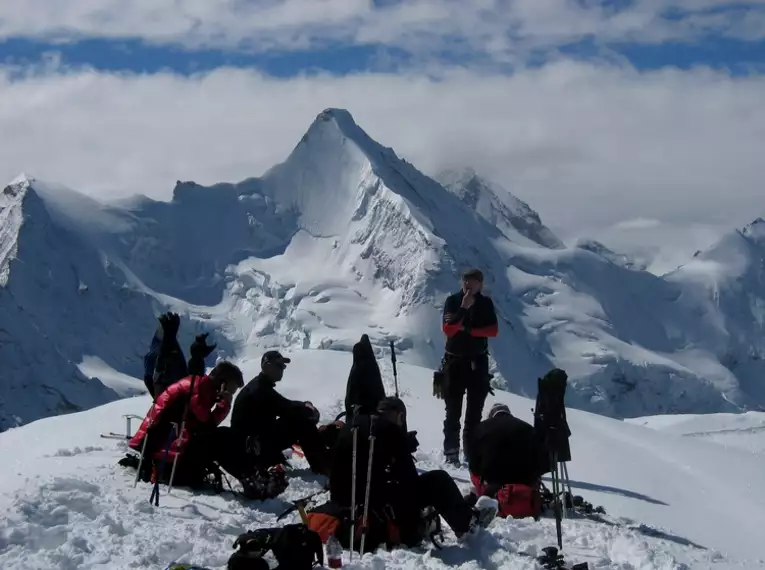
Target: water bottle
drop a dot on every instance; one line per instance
(334, 553)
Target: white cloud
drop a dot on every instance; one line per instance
(586, 146)
(505, 29)
(637, 224)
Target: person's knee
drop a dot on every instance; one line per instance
(436, 477)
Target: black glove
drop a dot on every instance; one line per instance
(170, 323)
(199, 348)
(439, 384)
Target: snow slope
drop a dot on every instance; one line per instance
(745, 431)
(345, 236)
(681, 503)
(59, 301)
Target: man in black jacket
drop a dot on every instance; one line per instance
(469, 320)
(507, 450)
(269, 423)
(398, 494)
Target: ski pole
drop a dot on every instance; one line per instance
(393, 361)
(355, 431)
(143, 447)
(183, 427)
(365, 520)
(155, 491)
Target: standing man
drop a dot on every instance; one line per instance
(469, 320)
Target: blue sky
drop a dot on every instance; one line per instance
(595, 112)
(737, 56)
(646, 33)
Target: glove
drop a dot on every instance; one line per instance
(315, 414)
(199, 348)
(439, 384)
(170, 323)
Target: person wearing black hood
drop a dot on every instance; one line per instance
(165, 363)
(364, 389)
(269, 423)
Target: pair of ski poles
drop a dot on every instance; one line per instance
(355, 432)
(365, 516)
(171, 437)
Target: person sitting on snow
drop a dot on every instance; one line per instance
(268, 423)
(198, 404)
(165, 364)
(507, 462)
(398, 495)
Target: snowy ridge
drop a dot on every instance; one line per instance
(66, 504)
(343, 238)
(618, 258)
(514, 218)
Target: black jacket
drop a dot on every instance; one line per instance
(258, 404)
(394, 474)
(467, 330)
(365, 386)
(505, 449)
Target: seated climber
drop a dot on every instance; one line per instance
(507, 462)
(267, 423)
(165, 364)
(198, 404)
(399, 497)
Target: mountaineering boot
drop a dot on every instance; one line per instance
(484, 511)
(452, 456)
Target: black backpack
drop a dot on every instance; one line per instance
(294, 546)
(550, 422)
(365, 386)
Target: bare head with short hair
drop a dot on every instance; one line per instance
(472, 281)
(394, 409)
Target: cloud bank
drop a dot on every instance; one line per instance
(589, 146)
(499, 29)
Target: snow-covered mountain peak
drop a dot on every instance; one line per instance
(602, 250)
(497, 205)
(11, 219)
(755, 231)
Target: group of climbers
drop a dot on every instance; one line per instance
(373, 482)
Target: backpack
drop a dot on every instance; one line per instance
(294, 546)
(550, 421)
(519, 501)
(515, 500)
(364, 388)
(331, 519)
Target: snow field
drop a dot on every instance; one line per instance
(66, 504)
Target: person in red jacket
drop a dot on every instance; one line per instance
(469, 320)
(208, 400)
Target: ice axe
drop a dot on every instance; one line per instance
(299, 505)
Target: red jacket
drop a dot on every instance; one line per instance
(201, 411)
